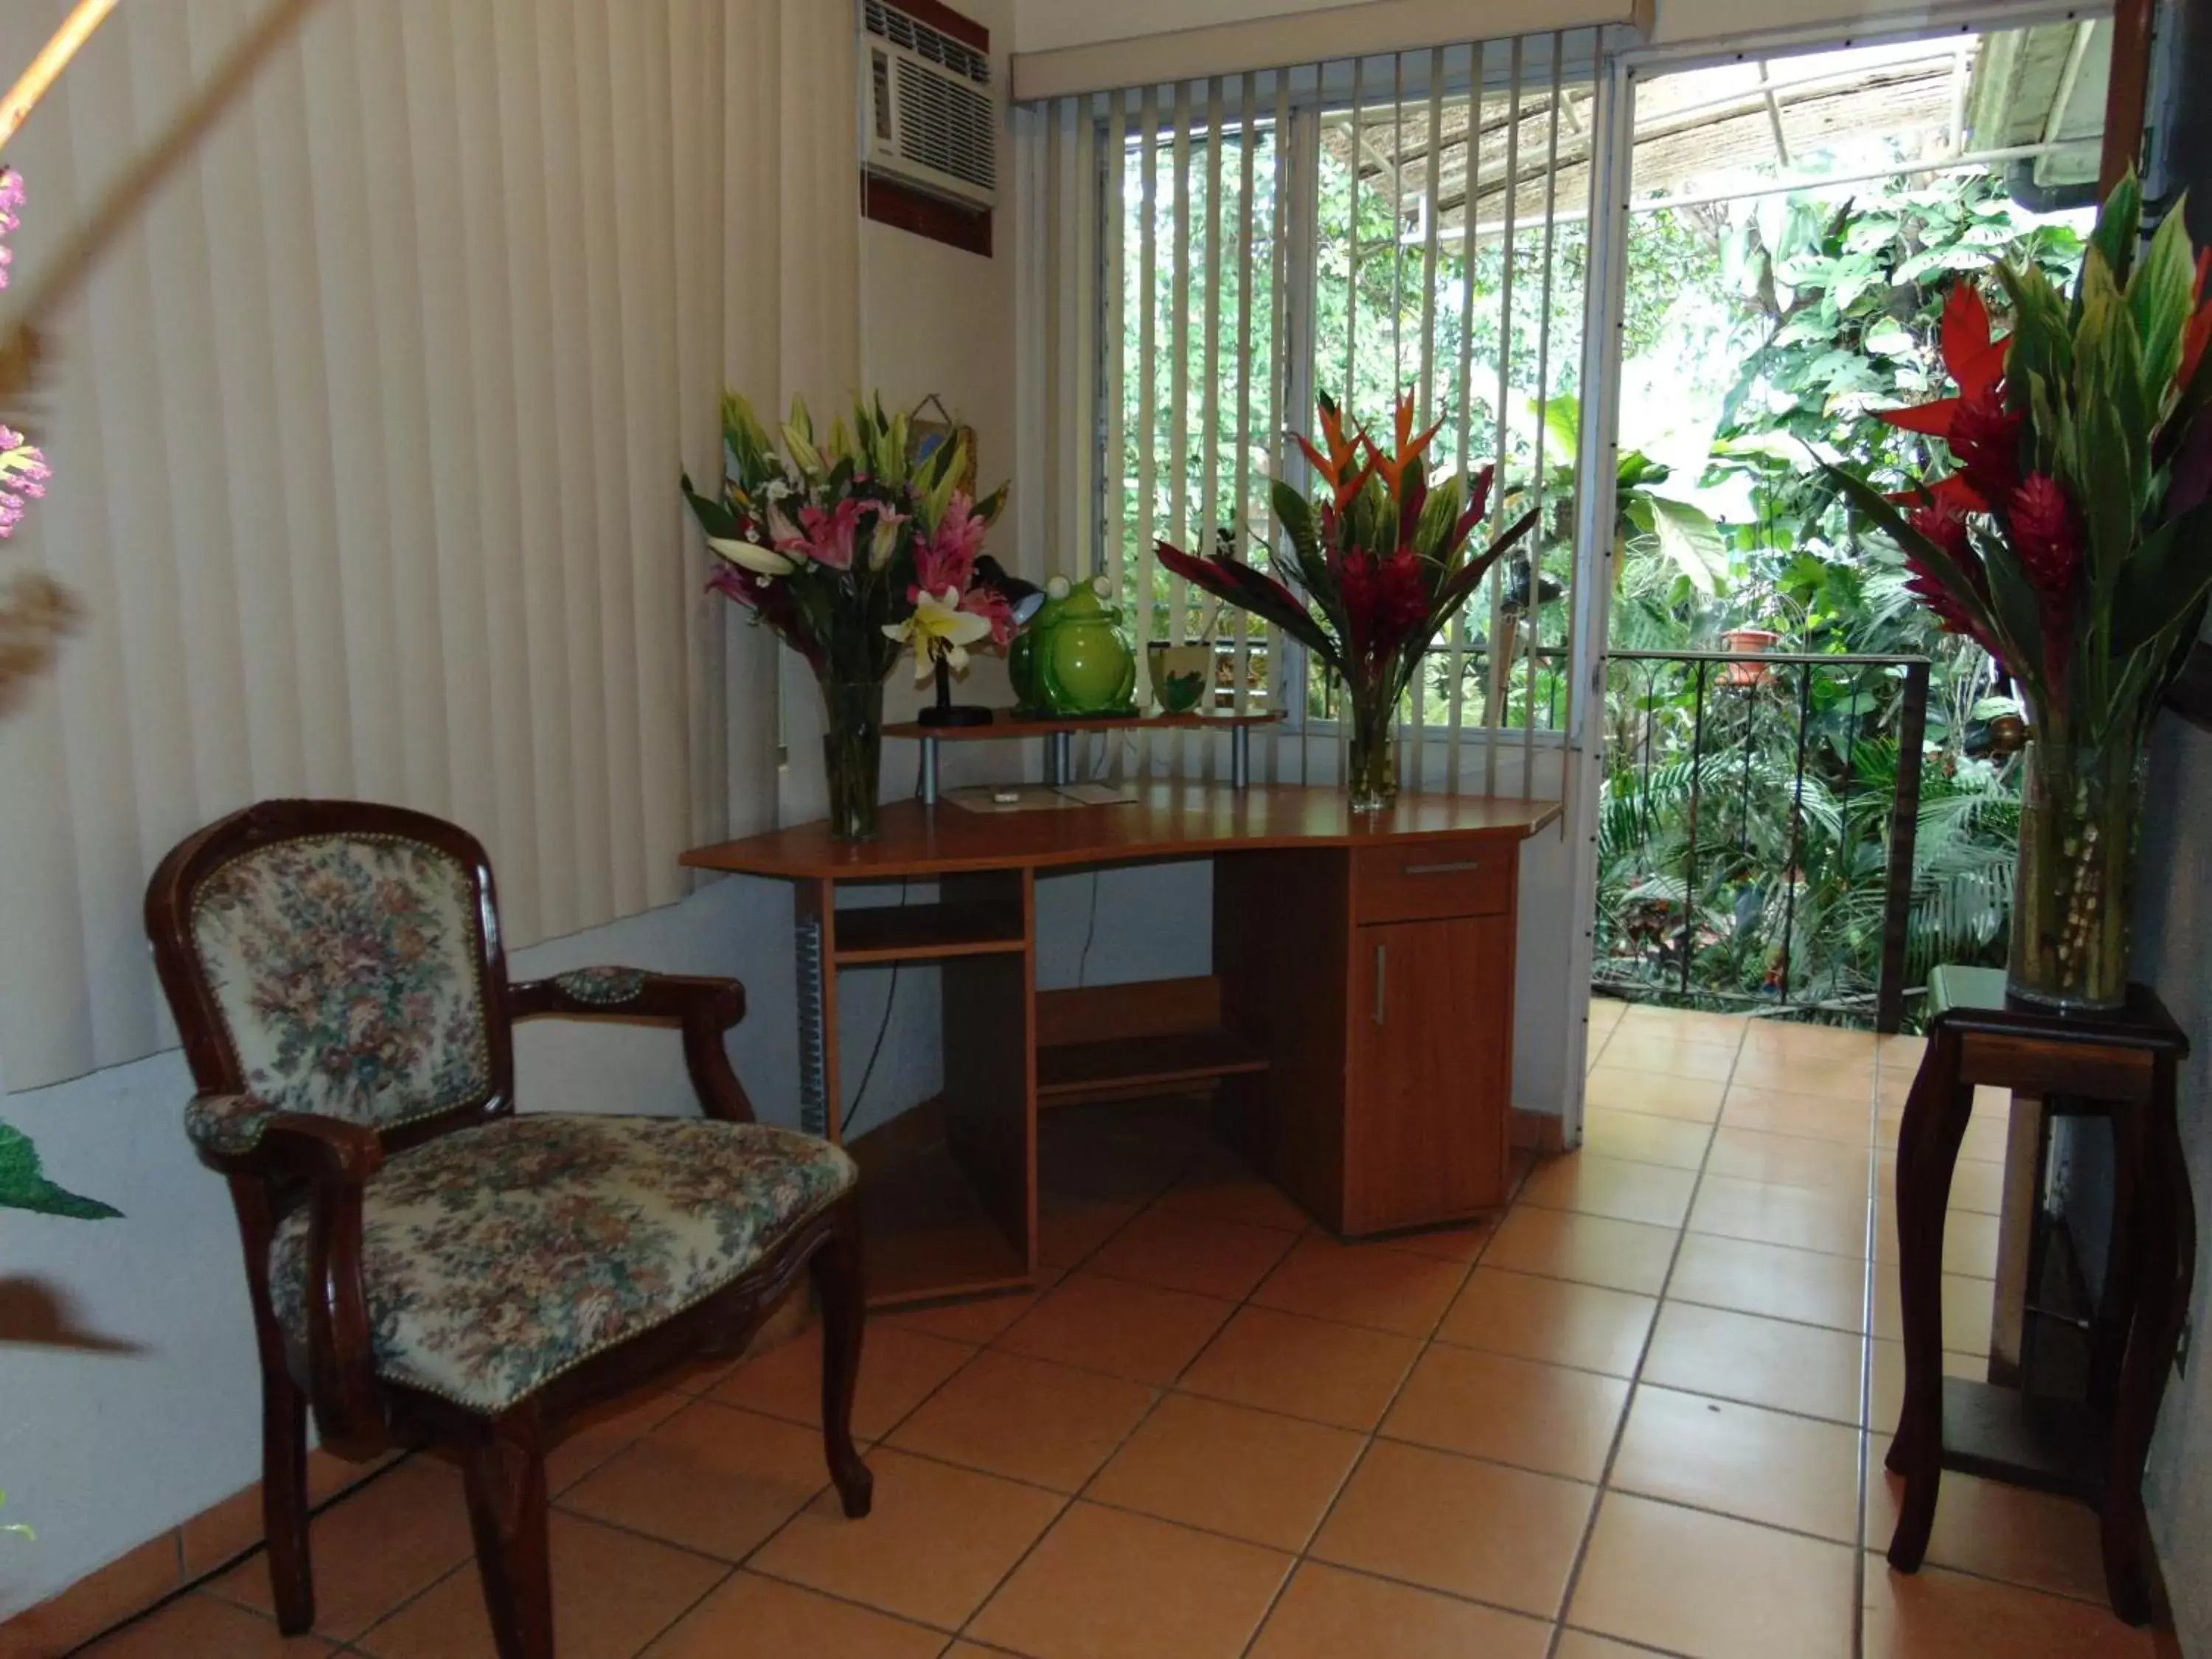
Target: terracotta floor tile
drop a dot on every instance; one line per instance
(1367, 1284)
(1254, 1475)
(604, 1431)
(1828, 1166)
(394, 1537)
(1187, 1252)
(1791, 1216)
(1900, 1052)
(2036, 1540)
(1620, 1255)
(1642, 1137)
(1716, 1588)
(1850, 1080)
(1553, 1320)
(1757, 1465)
(1814, 1044)
(1310, 1368)
(1935, 1615)
(1774, 1111)
(1141, 1332)
(1070, 1229)
(751, 1617)
(1460, 1243)
(1460, 1525)
(1761, 1362)
(1594, 1185)
(202, 1627)
(1581, 1645)
(1770, 1280)
(939, 1540)
(1985, 1140)
(1635, 1051)
(1510, 1411)
(1226, 1190)
(1696, 1100)
(711, 1479)
(1969, 1241)
(978, 1321)
(1687, 1024)
(1329, 1613)
(1968, 1304)
(1028, 1419)
(613, 1592)
(899, 1369)
(1106, 1585)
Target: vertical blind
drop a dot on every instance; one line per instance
(365, 439)
(1220, 252)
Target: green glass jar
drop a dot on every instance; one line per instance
(1078, 660)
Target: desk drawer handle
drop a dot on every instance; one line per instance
(1382, 966)
(1457, 867)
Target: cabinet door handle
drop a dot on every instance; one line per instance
(1382, 966)
(1457, 867)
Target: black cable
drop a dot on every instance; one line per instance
(883, 1028)
(1090, 931)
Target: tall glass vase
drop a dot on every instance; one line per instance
(2074, 884)
(852, 752)
(1371, 761)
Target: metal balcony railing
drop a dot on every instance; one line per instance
(1756, 837)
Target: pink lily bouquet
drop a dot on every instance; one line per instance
(2070, 536)
(852, 547)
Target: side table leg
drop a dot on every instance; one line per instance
(2152, 1141)
(1936, 1111)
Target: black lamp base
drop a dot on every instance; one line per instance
(954, 714)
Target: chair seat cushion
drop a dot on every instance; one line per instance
(500, 1256)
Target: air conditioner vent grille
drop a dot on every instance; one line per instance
(946, 126)
(932, 44)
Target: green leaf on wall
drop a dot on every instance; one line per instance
(24, 1186)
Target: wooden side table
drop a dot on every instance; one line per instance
(2121, 1067)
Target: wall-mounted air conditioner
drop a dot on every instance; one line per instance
(932, 112)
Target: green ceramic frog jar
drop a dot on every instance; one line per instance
(1075, 658)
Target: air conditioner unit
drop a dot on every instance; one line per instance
(932, 114)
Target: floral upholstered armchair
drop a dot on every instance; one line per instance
(425, 1263)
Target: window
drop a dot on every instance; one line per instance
(1410, 222)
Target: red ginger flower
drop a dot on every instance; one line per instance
(2046, 533)
(1941, 524)
(1985, 439)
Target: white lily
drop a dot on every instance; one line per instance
(751, 556)
(938, 628)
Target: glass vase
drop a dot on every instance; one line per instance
(1371, 761)
(2073, 885)
(851, 753)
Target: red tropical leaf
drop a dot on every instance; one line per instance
(1933, 418)
(1974, 359)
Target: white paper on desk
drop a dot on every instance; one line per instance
(1096, 794)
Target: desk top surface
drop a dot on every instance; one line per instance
(1168, 819)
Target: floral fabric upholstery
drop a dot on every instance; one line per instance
(349, 972)
(226, 1123)
(498, 1257)
(602, 987)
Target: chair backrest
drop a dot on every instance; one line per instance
(341, 959)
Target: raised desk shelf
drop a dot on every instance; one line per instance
(1156, 1063)
(1006, 724)
(907, 933)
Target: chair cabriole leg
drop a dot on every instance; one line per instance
(837, 1267)
(505, 1475)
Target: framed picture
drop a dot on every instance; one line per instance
(929, 433)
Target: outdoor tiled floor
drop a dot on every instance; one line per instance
(1633, 1417)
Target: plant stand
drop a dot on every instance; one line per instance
(2118, 1066)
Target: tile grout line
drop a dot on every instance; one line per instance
(1635, 1382)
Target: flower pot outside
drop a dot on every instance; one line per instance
(2080, 807)
(1749, 641)
(852, 754)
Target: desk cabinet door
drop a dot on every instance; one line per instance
(1427, 1118)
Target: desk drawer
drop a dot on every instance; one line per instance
(1416, 880)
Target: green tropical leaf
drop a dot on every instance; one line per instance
(2120, 222)
(24, 1186)
(2158, 295)
(1690, 540)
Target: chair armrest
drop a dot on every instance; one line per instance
(333, 1159)
(704, 1007)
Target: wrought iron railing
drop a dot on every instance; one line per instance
(1752, 801)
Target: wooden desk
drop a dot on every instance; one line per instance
(1358, 1023)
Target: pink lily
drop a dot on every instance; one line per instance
(946, 558)
(827, 537)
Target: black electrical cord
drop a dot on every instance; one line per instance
(1089, 930)
(882, 1029)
